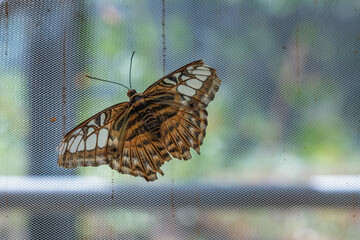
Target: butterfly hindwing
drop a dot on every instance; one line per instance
(137, 151)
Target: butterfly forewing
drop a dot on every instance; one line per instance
(87, 144)
(172, 119)
(181, 99)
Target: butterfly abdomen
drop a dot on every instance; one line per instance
(152, 123)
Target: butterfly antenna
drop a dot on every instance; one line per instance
(107, 81)
(132, 55)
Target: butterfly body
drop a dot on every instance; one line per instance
(138, 136)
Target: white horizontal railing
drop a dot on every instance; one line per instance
(66, 194)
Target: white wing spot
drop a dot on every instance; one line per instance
(62, 148)
(76, 132)
(201, 77)
(91, 142)
(103, 136)
(81, 145)
(190, 68)
(75, 144)
(194, 83)
(92, 123)
(168, 81)
(102, 119)
(202, 68)
(186, 98)
(184, 78)
(70, 142)
(176, 75)
(202, 72)
(186, 90)
(90, 131)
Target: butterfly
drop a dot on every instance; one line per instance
(138, 136)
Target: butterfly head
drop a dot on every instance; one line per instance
(136, 99)
(131, 93)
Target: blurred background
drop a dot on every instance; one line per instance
(280, 159)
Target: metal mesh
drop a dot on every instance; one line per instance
(280, 159)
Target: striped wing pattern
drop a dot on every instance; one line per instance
(136, 139)
(87, 144)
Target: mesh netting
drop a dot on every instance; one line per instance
(280, 157)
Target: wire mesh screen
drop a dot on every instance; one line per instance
(280, 159)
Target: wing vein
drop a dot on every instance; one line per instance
(146, 151)
(180, 135)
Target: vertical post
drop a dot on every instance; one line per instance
(50, 59)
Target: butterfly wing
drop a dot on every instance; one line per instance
(115, 136)
(119, 137)
(137, 151)
(87, 144)
(180, 100)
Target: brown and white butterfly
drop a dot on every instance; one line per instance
(136, 137)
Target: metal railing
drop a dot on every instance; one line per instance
(64, 194)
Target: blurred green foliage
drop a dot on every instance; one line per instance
(13, 123)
